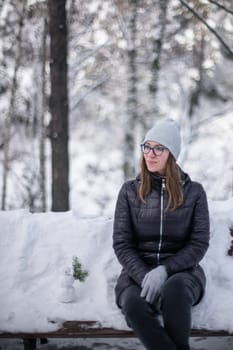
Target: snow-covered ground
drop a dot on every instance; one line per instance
(212, 343)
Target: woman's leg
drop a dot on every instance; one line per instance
(144, 321)
(179, 293)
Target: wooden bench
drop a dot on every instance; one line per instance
(93, 329)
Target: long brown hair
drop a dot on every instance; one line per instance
(173, 183)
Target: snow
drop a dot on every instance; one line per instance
(196, 343)
(37, 251)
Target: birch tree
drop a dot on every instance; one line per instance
(11, 108)
(132, 102)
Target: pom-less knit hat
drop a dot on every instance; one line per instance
(167, 133)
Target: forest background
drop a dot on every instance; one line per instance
(81, 82)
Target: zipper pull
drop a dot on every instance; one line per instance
(163, 184)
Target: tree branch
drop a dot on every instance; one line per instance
(217, 115)
(221, 6)
(88, 91)
(212, 30)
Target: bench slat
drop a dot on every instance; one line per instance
(91, 329)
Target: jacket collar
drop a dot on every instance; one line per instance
(156, 179)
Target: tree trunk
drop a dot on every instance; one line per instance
(59, 132)
(158, 42)
(132, 103)
(198, 50)
(158, 29)
(195, 93)
(198, 56)
(42, 119)
(11, 110)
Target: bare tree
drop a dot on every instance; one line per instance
(224, 44)
(198, 58)
(42, 117)
(59, 133)
(132, 102)
(157, 41)
(11, 109)
(221, 6)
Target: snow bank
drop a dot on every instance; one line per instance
(36, 249)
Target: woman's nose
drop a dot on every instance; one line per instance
(151, 153)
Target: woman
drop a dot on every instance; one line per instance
(161, 232)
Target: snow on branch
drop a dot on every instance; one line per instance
(221, 6)
(211, 29)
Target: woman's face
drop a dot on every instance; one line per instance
(156, 164)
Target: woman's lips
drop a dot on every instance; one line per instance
(151, 163)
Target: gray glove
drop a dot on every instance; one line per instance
(152, 282)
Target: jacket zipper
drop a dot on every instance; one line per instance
(161, 220)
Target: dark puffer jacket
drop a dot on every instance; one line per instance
(146, 235)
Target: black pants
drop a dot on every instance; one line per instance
(178, 294)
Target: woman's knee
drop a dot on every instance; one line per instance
(133, 305)
(129, 299)
(175, 289)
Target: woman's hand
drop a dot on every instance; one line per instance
(152, 283)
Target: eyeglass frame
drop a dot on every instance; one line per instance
(159, 148)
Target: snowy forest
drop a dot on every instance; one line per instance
(76, 132)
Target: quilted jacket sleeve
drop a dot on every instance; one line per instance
(195, 248)
(124, 243)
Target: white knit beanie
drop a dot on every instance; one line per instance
(167, 133)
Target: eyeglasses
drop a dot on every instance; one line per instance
(157, 150)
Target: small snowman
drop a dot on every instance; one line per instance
(67, 290)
